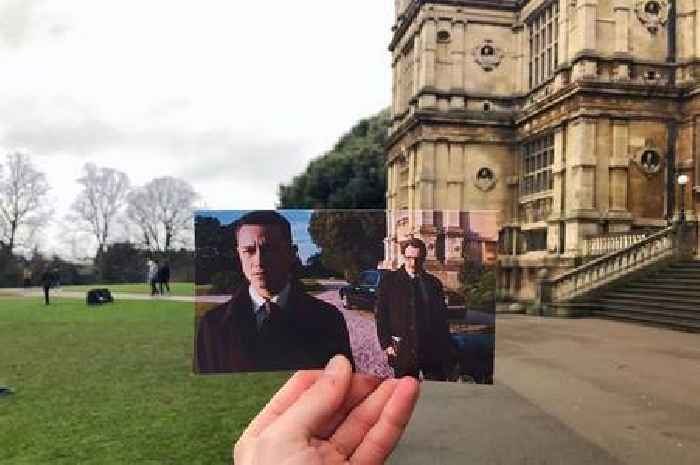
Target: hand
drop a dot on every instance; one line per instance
(329, 418)
(390, 352)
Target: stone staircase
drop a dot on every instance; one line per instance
(668, 297)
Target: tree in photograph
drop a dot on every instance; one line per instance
(162, 211)
(103, 195)
(23, 202)
(350, 241)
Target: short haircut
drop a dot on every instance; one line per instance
(417, 243)
(264, 218)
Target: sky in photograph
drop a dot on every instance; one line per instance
(298, 221)
(234, 97)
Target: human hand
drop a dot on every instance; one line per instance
(390, 351)
(329, 417)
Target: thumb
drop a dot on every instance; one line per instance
(317, 405)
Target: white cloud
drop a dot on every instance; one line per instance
(234, 97)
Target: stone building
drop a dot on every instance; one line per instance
(571, 120)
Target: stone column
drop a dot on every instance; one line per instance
(428, 58)
(457, 56)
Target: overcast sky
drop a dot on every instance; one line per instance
(232, 96)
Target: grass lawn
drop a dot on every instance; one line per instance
(179, 289)
(113, 385)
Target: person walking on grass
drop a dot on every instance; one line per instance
(164, 277)
(152, 275)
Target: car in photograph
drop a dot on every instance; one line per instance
(362, 293)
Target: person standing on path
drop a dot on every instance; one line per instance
(412, 318)
(152, 275)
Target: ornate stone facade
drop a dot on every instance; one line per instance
(570, 119)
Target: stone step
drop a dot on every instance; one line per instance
(666, 321)
(691, 310)
(665, 280)
(679, 274)
(644, 291)
(691, 299)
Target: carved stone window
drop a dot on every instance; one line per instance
(652, 13)
(443, 36)
(543, 35)
(487, 55)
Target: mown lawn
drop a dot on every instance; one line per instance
(113, 385)
(178, 289)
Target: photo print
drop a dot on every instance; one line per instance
(397, 292)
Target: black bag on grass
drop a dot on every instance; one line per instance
(98, 297)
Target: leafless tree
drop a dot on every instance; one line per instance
(102, 198)
(162, 210)
(23, 203)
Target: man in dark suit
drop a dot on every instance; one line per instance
(411, 318)
(270, 323)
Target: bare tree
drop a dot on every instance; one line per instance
(102, 198)
(23, 203)
(162, 210)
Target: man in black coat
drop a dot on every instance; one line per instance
(411, 318)
(270, 323)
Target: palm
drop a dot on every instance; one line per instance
(309, 423)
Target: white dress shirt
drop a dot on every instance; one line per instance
(259, 303)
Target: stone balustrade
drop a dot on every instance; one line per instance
(603, 244)
(611, 266)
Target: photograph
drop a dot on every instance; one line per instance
(289, 289)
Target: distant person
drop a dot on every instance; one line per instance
(164, 277)
(270, 323)
(152, 275)
(48, 280)
(411, 318)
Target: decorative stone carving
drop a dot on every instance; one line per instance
(485, 179)
(649, 159)
(652, 13)
(487, 55)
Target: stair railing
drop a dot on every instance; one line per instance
(603, 244)
(602, 270)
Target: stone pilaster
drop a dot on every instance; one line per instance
(425, 176)
(428, 53)
(457, 57)
(455, 177)
(582, 218)
(619, 172)
(558, 205)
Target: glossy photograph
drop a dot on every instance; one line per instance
(398, 293)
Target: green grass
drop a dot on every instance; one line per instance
(113, 385)
(178, 289)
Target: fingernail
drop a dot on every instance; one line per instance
(335, 365)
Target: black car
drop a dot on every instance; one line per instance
(363, 293)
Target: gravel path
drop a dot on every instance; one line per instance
(366, 351)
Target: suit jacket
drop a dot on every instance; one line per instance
(418, 315)
(305, 334)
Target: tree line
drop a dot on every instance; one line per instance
(151, 219)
